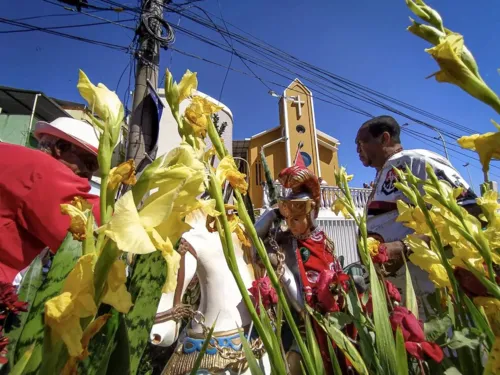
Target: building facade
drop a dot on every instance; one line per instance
(296, 133)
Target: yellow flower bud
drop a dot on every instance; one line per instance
(122, 174)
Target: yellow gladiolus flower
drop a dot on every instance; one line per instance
(491, 308)
(489, 201)
(169, 170)
(493, 364)
(453, 70)
(426, 13)
(226, 170)
(78, 210)
(373, 246)
(237, 228)
(172, 258)
(63, 313)
(103, 102)
(412, 217)
(133, 231)
(339, 206)
(486, 145)
(428, 260)
(70, 368)
(176, 93)
(116, 293)
(187, 85)
(197, 114)
(122, 174)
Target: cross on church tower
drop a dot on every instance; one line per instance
(299, 104)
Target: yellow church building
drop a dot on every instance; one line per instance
(296, 132)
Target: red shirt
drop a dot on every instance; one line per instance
(32, 187)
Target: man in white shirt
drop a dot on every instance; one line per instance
(379, 146)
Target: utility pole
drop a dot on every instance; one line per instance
(142, 121)
(466, 165)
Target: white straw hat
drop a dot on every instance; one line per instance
(72, 130)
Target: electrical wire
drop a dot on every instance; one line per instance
(64, 35)
(62, 27)
(431, 145)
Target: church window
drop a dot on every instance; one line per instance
(300, 129)
(307, 158)
(258, 173)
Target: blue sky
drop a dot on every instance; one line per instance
(365, 41)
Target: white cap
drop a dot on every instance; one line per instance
(72, 130)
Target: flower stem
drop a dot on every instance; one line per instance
(227, 241)
(257, 242)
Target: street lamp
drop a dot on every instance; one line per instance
(440, 136)
(291, 98)
(466, 165)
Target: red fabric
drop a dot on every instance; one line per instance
(299, 160)
(32, 187)
(310, 268)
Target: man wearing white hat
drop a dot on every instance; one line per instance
(33, 185)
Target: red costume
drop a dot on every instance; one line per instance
(313, 250)
(33, 185)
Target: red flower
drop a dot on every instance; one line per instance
(382, 255)
(4, 341)
(414, 336)
(392, 291)
(262, 289)
(328, 299)
(9, 302)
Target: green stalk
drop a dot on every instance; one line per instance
(481, 244)
(106, 259)
(245, 218)
(226, 238)
(276, 284)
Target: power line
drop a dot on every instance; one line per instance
(54, 15)
(64, 35)
(64, 27)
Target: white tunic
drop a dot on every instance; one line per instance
(382, 210)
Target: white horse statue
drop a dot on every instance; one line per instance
(221, 303)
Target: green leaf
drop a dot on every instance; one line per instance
(120, 357)
(437, 327)
(401, 352)
(33, 332)
(365, 341)
(275, 352)
(312, 346)
(479, 320)
(340, 319)
(31, 283)
(386, 349)
(462, 339)
(19, 367)
(411, 298)
(252, 361)
(148, 278)
(452, 371)
(204, 347)
(342, 342)
(333, 357)
(101, 347)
